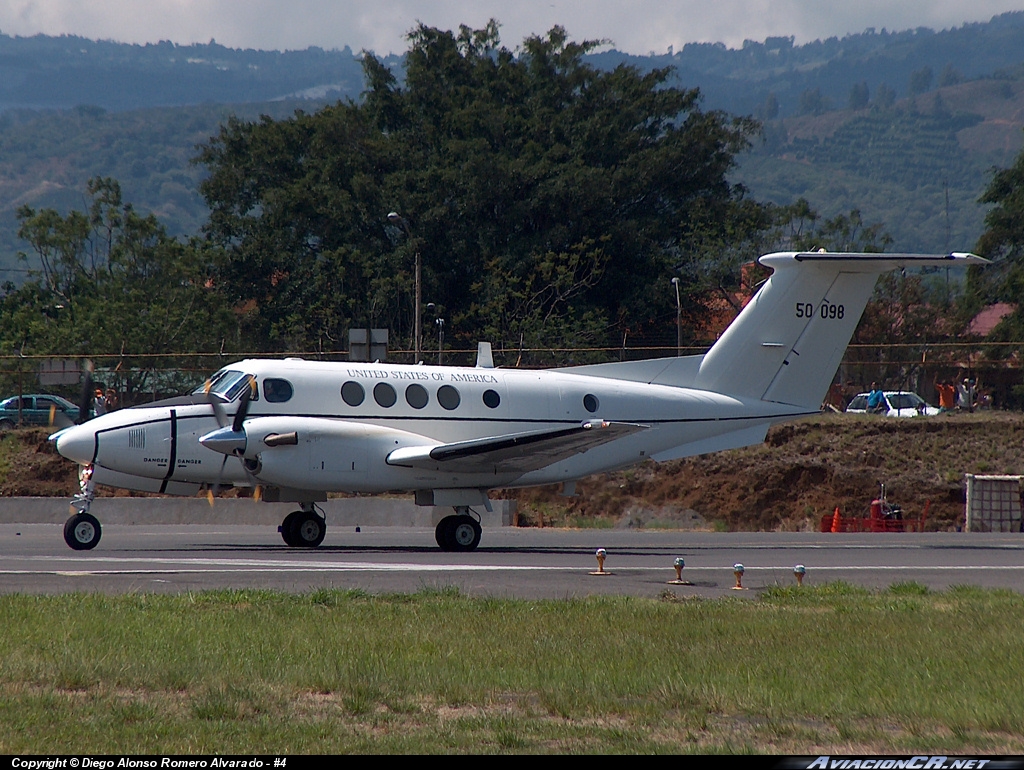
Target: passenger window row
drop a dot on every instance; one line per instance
(276, 390)
(416, 396)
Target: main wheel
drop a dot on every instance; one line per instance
(287, 528)
(443, 533)
(82, 531)
(309, 530)
(465, 534)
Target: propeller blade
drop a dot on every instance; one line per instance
(243, 406)
(257, 493)
(85, 398)
(59, 419)
(214, 490)
(216, 405)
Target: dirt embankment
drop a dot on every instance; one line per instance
(801, 472)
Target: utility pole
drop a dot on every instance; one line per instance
(679, 320)
(396, 219)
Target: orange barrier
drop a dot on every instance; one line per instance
(834, 522)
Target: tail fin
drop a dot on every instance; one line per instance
(787, 343)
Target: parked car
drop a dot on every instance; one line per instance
(35, 410)
(898, 403)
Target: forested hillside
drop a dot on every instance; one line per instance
(47, 158)
(902, 126)
(919, 164)
(72, 109)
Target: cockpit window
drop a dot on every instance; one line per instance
(228, 384)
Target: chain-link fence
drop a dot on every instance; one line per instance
(995, 370)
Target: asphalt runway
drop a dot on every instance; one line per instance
(510, 562)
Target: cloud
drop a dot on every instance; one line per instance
(638, 26)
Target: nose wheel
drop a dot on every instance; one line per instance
(82, 531)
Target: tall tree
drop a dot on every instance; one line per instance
(1003, 243)
(544, 196)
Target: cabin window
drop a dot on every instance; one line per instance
(590, 403)
(492, 399)
(416, 396)
(277, 391)
(352, 393)
(448, 397)
(384, 394)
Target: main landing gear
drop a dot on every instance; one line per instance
(460, 532)
(304, 528)
(82, 530)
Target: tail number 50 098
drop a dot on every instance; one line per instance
(826, 310)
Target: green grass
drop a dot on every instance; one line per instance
(830, 667)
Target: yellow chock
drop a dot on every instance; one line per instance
(679, 564)
(737, 570)
(798, 572)
(601, 554)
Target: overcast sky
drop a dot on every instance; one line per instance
(637, 26)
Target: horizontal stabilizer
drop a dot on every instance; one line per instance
(513, 453)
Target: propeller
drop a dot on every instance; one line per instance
(236, 438)
(85, 397)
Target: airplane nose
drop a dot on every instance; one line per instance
(78, 444)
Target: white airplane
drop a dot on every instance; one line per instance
(298, 430)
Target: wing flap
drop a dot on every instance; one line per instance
(514, 452)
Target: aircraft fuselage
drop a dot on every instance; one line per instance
(344, 447)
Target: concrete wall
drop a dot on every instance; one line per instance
(357, 511)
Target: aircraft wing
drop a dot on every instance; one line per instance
(514, 452)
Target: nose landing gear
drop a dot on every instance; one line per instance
(82, 530)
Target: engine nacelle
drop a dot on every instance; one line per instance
(324, 454)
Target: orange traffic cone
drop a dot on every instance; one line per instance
(837, 521)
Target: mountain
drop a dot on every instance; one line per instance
(904, 126)
(43, 72)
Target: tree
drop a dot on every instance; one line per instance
(921, 80)
(112, 282)
(859, 95)
(545, 197)
(812, 102)
(950, 76)
(769, 109)
(885, 97)
(1003, 243)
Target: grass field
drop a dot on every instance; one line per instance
(828, 668)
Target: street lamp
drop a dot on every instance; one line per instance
(440, 339)
(396, 219)
(679, 320)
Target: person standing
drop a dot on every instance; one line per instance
(876, 400)
(947, 396)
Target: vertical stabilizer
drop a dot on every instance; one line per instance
(787, 343)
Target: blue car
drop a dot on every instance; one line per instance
(38, 409)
